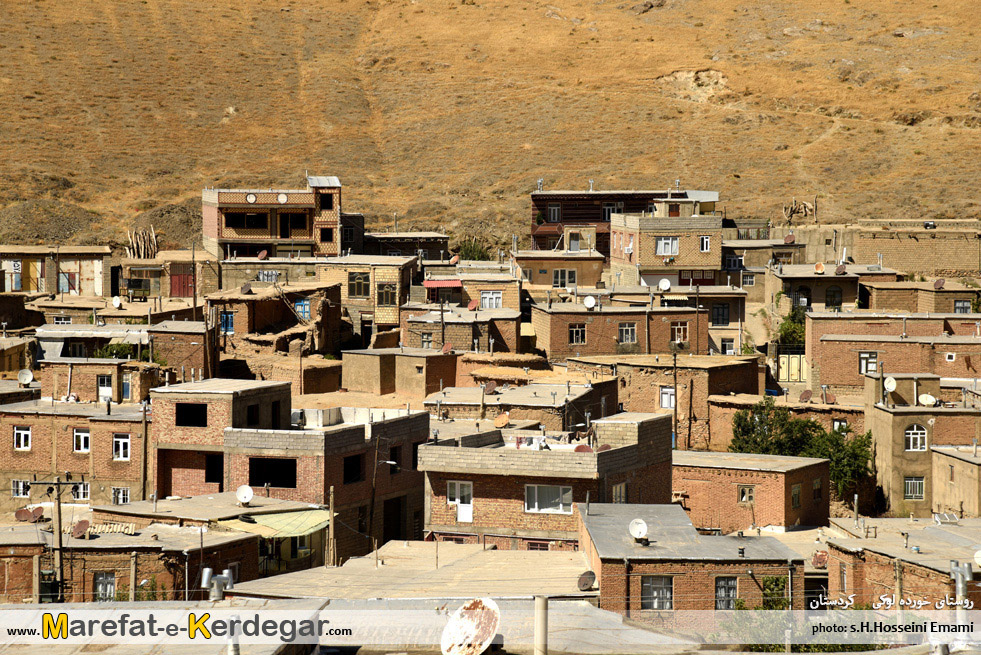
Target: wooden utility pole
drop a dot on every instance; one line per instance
(331, 543)
(442, 326)
(194, 282)
(697, 309)
(674, 429)
(59, 560)
(374, 488)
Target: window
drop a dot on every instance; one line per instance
(577, 334)
(81, 440)
(395, 455)
(916, 437)
(950, 357)
(295, 221)
(358, 285)
(22, 438)
(353, 469)
(191, 415)
(950, 468)
(326, 201)
(562, 277)
(913, 488)
(62, 320)
(228, 322)
(609, 208)
(76, 350)
(720, 314)
(627, 333)
(842, 579)
(120, 447)
(704, 244)
(459, 493)
(574, 239)
(666, 245)
(20, 488)
(725, 593)
(962, 306)
(120, 495)
(656, 592)
(326, 235)
(80, 491)
(427, 339)
(816, 490)
(214, 468)
(267, 276)
(386, 295)
(746, 493)
(103, 384)
(839, 425)
(277, 472)
(252, 415)
(795, 496)
(868, 362)
(728, 346)
(832, 297)
(104, 583)
(554, 212)
(734, 261)
(620, 493)
(240, 220)
(347, 235)
(491, 299)
(547, 498)
(537, 545)
(749, 279)
(302, 308)
(679, 331)
(127, 386)
(667, 397)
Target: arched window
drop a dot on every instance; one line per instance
(832, 297)
(916, 437)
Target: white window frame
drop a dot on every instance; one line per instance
(627, 333)
(120, 495)
(657, 601)
(679, 328)
(553, 213)
(915, 438)
(666, 246)
(531, 499)
(579, 330)
(914, 487)
(563, 277)
(491, 299)
(728, 346)
(22, 437)
(426, 340)
(839, 425)
(962, 306)
(61, 320)
(99, 387)
(619, 493)
(453, 488)
(20, 488)
(667, 398)
(81, 440)
(868, 362)
(749, 279)
(81, 491)
(704, 243)
(120, 442)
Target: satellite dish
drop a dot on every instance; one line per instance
(246, 288)
(244, 494)
(473, 304)
(117, 302)
(589, 302)
(819, 268)
(582, 448)
(830, 399)
(638, 528)
(890, 384)
(927, 400)
(36, 514)
(501, 421)
(490, 387)
(262, 255)
(588, 579)
(805, 395)
(472, 628)
(939, 284)
(605, 447)
(25, 376)
(841, 270)
(790, 238)
(80, 528)
(23, 514)
(454, 259)
(664, 284)
(447, 348)
(977, 558)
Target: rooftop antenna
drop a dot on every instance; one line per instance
(541, 183)
(590, 186)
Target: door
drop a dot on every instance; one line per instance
(31, 279)
(367, 327)
(464, 504)
(181, 280)
(574, 241)
(284, 226)
(394, 513)
(104, 383)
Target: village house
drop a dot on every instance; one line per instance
(516, 489)
(680, 387)
(938, 296)
(72, 270)
(821, 287)
(373, 287)
(274, 222)
(80, 310)
(409, 372)
(481, 330)
(16, 353)
(170, 274)
(956, 476)
(647, 248)
(97, 380)
(477, 290)
(674, 567)
(424, 245)
(570, 329)
(727, 492)
(186, 346)
(558, 269)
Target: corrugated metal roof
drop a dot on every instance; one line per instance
(321, 181)
(442, 284)
(282, 524)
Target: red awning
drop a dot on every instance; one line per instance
(442, 284)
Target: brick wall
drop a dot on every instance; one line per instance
(17, 565)
(722, 410)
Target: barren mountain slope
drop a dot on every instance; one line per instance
(447, 111)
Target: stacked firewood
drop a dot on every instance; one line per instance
(142, 244)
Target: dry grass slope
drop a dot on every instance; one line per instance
(446, 111)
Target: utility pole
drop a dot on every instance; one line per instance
(331, 544)
(697, 309)
(961, 573)
(59, 560)
(674, 428)
(442, 326)
(374, 488)
(194, 282)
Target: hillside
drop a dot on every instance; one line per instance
(447, 111)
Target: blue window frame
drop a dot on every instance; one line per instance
(228, 322)
(302, 308)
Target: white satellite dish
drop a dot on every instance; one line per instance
(890, 384)
(977, 558)
(472, 628)
(117, 302)
(24, 376)
(244, 494)
(638, 528)
(664, 284)
(589, 301)
(927, 400)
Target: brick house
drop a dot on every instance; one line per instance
(554, 406)
(408, 372)
(104, 451)
(73, 270)
(910, 296)
(648, 248)
(676, 568)
(552, 211)
(279, 222)
(570, 329)
(559, 269)
(820, 286)
(97, 380)
(483, 330)
(373, 287)
(171, 274)
(299, 318)
(745, 261)
(190, 348)
(426, 245)
(487, 290)
(517, 491)
(736, 491)
(956, 475)
(650, 382)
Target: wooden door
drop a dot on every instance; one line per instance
(181, 280)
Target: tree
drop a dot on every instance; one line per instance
(791, 330)
(473, 250)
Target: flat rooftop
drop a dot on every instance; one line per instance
(258, 292)
(864, 315)
(408, 570)
(405, 351)
(890, 338)
(91, 411)
(949, 285)
(665, 360)
(168, 538)
(367, 260)
(846, 403)
(579, 308)
(55, 250)
(462, 315)
(530, 395)
(222, 385)
(178, 327)
(742, 461)
(558, 254)
(672, 536)
(760, 243)
(967, 454)
(406, 235)
(209, 507)
(657, 194)
(851, 271)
